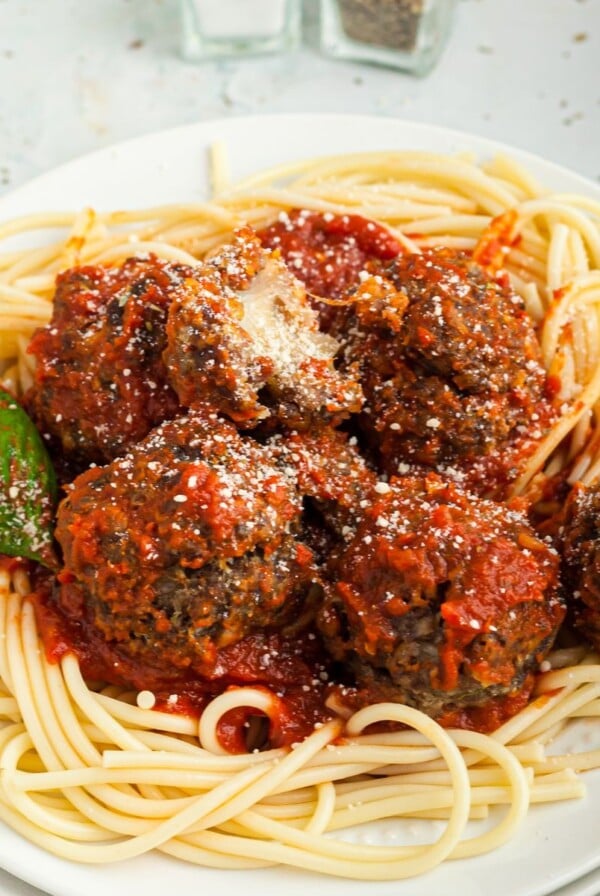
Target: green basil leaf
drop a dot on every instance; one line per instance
(27, 487)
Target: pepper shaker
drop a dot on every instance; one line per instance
(221, 28)
(403, 34)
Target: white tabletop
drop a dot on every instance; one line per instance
(75, 76)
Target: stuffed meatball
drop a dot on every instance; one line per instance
(243, 337)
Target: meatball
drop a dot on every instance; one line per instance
(100, 382)
(581, 560)
(328, 252)
(184, 546)
(442, 600)
(330, 474)
(449, 364)
(243, 337)
(464, 326)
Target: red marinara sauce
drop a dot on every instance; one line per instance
(295, 673)
(327, 252)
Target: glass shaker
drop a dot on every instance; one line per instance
(403, 34)
(219, 28)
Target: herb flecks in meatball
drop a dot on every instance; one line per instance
(100, 382)
(442, 600)
(185, 545)
(581, 561)
(243, 337)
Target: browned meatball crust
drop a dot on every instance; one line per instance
(100, 382)
(450, 367)
(580, 542)
(442, 600)
(185, 545)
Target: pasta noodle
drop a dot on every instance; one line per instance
(94, 777)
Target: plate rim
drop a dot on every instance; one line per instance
(489, 143)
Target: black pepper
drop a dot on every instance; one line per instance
(385, 23)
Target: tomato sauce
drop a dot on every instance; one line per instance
(328, 252)
(297, 674)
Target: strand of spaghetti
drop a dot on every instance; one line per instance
(590, 709)
(460, 243)
(527, 265)
(445, 200)
(219, 168)
(199, 760)
(441, 778)
(36, 260)
(464, 177)
(567, 213)
(583, 761)
(404, 208)
(280, 771)
(502, 166)
(52, 720)
(234, 699)
(181, 848)
(310, 777)
(562, 710)
(12, 296)
(555, 277)
(24, 322)
(451, 224)
(591, 206)
(89, 705)
(583, 289)
(163, 250)
(285, 198)
(579, 257)
(82, 228)
(17, 663)
(518, 785)
(588, 671)
(89, 776)
(211, 211)
(589, 474)
(8, 707)
(42, 221)
(70, 826)
(579, 437)
(525, 752)
(148, 718)
(324, 809)
(162, 832)
(588, 397)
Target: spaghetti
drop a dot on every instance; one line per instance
(93, 775)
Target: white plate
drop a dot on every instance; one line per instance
(558, 844)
